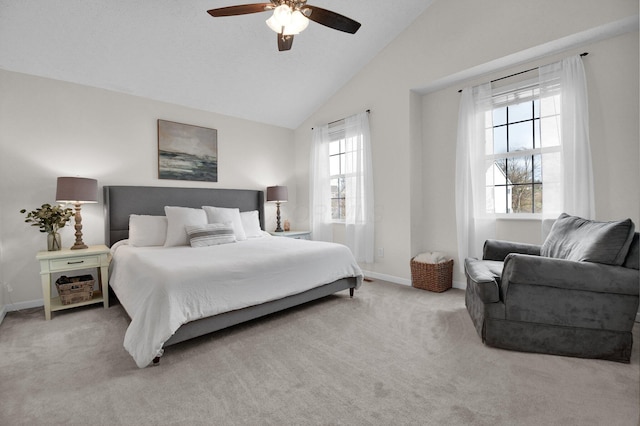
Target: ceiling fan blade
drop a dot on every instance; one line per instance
(331, 19)
(284, 42)
(242, 9)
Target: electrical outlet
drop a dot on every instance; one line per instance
(9, 288)
(380, 252)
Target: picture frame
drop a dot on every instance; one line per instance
(187, 152)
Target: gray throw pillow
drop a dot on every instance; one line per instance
(211, 234)
(578, 239)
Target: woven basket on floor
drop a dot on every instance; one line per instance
(432, 276)
(75, 289)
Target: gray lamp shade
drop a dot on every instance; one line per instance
(277, 194)
(77, 190)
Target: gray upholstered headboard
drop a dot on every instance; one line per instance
(121, 201)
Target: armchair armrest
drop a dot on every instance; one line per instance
(498, 250)
(569, 275)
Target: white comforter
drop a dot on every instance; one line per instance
(163, 288)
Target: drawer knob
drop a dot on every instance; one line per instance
(76, 262)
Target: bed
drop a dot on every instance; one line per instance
(177, 293)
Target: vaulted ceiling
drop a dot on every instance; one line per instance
(173, 51)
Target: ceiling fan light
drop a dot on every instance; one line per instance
(298, 23)
(274, 24)
(283, 14)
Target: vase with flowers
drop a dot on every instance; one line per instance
(49, 219)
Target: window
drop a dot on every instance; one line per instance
(517, 132)
(341, 184)
(337, 170)
(342, 154)
(522, 148)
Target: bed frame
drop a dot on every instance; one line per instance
(122, 201)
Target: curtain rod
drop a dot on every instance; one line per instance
(521, 72)
(333, 122)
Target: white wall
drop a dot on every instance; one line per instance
(450, 39)
(50, 128)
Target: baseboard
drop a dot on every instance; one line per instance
(462, 285)
(397, 280)
(20, 306)
(385, 277)
(11, 307)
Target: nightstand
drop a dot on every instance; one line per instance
(70, 260)
(298, 235)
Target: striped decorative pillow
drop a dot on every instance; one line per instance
(211, 234)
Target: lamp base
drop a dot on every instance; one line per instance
(79, 244)
(278, 227)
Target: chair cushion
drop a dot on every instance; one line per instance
(578, 239)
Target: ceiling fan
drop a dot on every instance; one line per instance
(290, 17)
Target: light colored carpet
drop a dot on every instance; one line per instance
(392, 355)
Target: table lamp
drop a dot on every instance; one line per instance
(78, 191)
(277, 194)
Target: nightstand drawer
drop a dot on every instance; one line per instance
(74, 262)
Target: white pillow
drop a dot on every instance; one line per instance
(251, 224)
(222, 215)
(146, 231)
(177, 220)
(211, 234)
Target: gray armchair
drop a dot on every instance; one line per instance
(575, 295)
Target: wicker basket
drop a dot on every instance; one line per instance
(432, 276)
(75, 289)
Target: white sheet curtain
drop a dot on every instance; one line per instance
(562, 88)
(358, 173)
(565, 83)
(320, 185)
(359, 223)
(474, 224)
